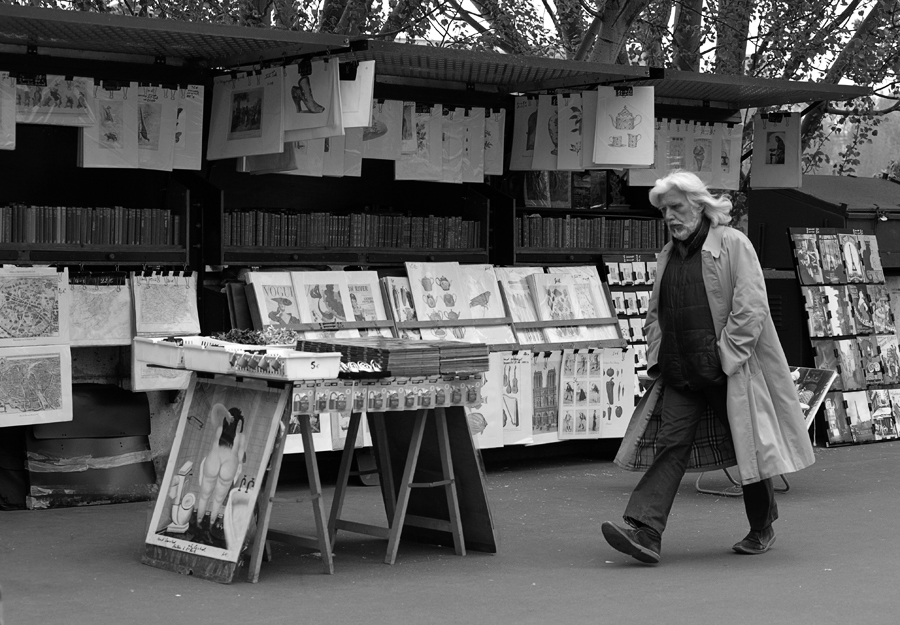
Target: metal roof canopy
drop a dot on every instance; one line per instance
(146, 39)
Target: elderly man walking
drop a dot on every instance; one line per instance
(722, 392)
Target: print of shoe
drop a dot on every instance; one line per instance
(302, 94)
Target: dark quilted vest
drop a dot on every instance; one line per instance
(688, 354)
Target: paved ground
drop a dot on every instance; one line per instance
(835, 561)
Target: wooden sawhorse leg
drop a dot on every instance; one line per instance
(263, 534)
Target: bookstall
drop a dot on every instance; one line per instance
(213, 182)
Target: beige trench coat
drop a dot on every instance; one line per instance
(767, 425)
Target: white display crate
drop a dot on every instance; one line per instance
(271, 363)
(167, 353)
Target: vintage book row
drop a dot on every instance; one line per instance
(89, 226)
(121, 124)
(318, 118)
(43, 313)
(537, 231)
(829, 256)
(291, 229)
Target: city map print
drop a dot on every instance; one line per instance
(35, 385)
(166, 304)
(30, 307)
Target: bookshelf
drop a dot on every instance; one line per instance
(82, 216)
(274, 219)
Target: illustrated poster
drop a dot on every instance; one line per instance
(382, 139)
(323, 297)
(207, 499)
(776, 151)
(582, 404)
(486, 418)
(494, 137)
(625, 123)
(101, 314)
(521, 304)
(188, 128)
(546, 140)
(312, 100)
(439, 294)
(55, 100)
(8, 96)
(356, 95)
(831, 259)
(857, 406)
(569, 133)
(157, 110)
(517, 398)
(113, 140)
(836, 419)
(617, 392)
(366, 300)
(555, 300)
(247, 116)
(806, 252)
(524, 133)
(483, 297)
(421, 143)
(473, 146)
(546, 375)
(272, 299)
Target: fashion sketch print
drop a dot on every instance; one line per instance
(34, 306)
(581, 397)
(207, 499)
(556, 301)
(366, 301)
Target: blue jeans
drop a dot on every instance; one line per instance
(652, 499)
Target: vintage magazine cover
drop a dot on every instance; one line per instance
(811, 385)
(366, 300)
(871, 359)
(857, 407)
(35, 384)
(883, 425)
(836, 419)
(858, 301)
(890, 358)
(34, 306)
(323, 297)
(853, 376)
(868, 245)
(826, 357)
(831, 258)
(207, 499)
(853, 263)
(840, 319)
(165, 304)
(272, 300)
(882, 315)
(806, 256)
(816, 311)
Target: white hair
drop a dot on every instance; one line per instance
(716, 208)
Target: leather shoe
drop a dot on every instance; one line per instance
(641, 544)
(756, 542)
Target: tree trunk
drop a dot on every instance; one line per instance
(732, 31)
(505, 30)
(686, 38)
(571, 25)
(652, 32)
(615, 22)
(332, 10)
(398, 18)
(838, 68)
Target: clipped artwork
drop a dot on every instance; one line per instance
(319, 425)
(147, 378)
(546, 140)
(473, 146)
(156, 128)
(165, 304)
(860, 307)
(890, 358)
(439, 294)
(617, 392)
(546, 374)
(453, 131)
(776, 151)
(582, 404)
(101, 314)
(840, 320)
(333, 157)
(816, 311)
(356, 94)
(35, 384)
(113, 140)
(272, 300)
(593, 298)
(55, 100)
(188, 128)
(421, 143)
(247, 116)
(494, 138)
(205, 511)
(625, 126)
(524, 133)
(486, 417)
(570, 116)
(382, 139)
(34, 306)
(517, 398)
(312, 106)
(353, 148)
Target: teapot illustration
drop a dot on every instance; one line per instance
(427, 283)
(449, 299)
(625, 120)
(429, 299)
